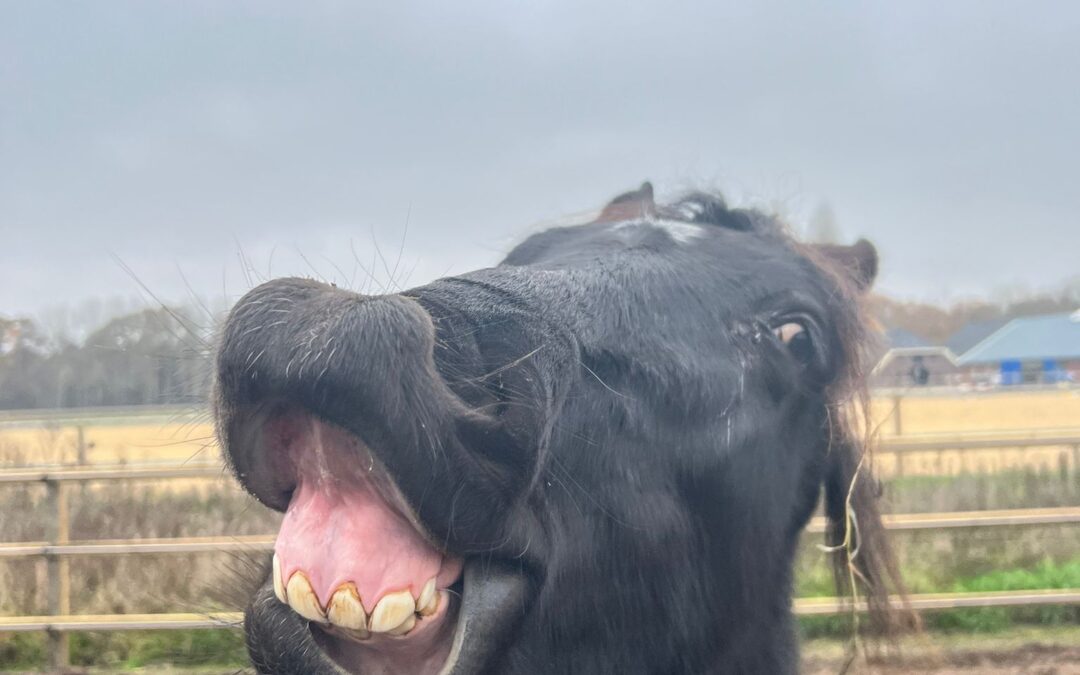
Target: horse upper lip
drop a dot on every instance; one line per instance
(350, 552)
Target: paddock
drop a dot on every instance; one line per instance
(60, 460)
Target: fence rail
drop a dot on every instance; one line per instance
(936, 601)
(954, 519)
(130, 472)
(938, 445)
(255, 543)
(111, 547)
(59, 548)
(801, 607)
(88, 473)
(111, 622)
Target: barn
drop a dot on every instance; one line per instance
(1029, 350)
(973, 333)
(910, 361)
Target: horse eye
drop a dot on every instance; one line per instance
(788, 332)
(795, 337)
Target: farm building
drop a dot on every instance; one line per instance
(972, 334)
(1030, 350)
(910, 361)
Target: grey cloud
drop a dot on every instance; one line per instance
(170, 134)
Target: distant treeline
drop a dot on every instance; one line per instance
(935, 323)
(147, 357)
(161, 356)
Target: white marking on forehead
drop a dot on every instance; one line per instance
(678, 230)
(691, 210)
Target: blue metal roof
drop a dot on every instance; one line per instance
(1055, 336)
(972, 334)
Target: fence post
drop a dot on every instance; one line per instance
(1075, 464)
(57, 572)
(80, 447)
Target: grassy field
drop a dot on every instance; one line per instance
(980, 559)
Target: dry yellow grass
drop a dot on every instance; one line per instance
(116, 444)
(183, 436)
(968, 415)
(994, 413)
(123, 436)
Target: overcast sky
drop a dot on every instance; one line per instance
(173, 135)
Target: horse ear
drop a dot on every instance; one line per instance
(629, 205)
(858, 261)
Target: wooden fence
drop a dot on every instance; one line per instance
(59, 548)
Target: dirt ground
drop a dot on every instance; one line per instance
(1032, 659)
(1030, 652)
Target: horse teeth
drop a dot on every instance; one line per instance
(302, 598)
(393, 610)
(405, 627)
(346, 610)
(428, 600)
(279, 585)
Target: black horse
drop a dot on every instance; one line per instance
(596, 457)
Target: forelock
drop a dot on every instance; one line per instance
(708, 208)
